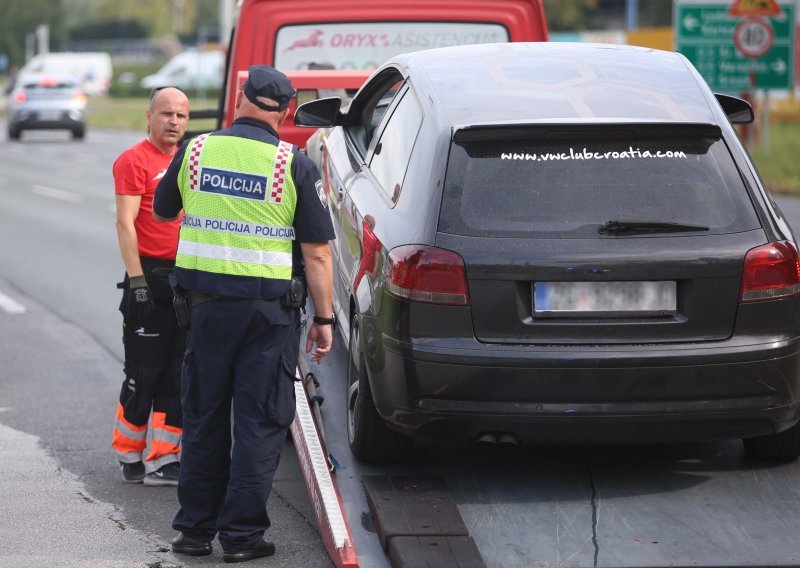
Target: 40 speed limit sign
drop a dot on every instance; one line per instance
(753, 37)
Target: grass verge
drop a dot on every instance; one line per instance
(130, 113)
(779, 164)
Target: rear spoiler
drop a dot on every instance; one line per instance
(549, 130)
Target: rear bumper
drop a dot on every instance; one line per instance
(698, 392)
(74, 120)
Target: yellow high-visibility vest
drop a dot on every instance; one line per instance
(239, 201)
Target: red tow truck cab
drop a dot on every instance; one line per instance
(326, 46)
(311, 85)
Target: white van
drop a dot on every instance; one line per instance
(93, 69)
(189, 70)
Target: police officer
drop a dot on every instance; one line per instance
(247, 197)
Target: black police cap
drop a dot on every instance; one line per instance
(266, 81)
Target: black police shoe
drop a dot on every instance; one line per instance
(261, 550)
(183, 544)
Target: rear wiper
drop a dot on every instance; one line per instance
(639, 227)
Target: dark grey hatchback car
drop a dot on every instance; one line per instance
(556, 243)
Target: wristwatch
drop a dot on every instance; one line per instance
(325, 321)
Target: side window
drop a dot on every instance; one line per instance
(367, 110)
(392, 152)
(374, 115)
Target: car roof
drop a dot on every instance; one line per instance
(561, 82)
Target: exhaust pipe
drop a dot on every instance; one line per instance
(507, 440)
(487, 439)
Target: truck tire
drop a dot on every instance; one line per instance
(781, 446)
(369, 438)
(14, 133)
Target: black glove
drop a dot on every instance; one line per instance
(140, 299)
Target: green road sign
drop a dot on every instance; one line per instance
(705, 32)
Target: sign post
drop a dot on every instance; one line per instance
(706, 33)
(738, 46)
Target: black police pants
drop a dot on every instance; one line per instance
(154, 348)
(238, 358)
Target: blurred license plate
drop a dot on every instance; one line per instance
(50, 115)
(607, 299)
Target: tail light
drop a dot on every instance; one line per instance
(427, 274)
(79, 98)
(20, 97)
(771, 271)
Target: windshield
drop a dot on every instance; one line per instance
(366, 45)
(571, 188)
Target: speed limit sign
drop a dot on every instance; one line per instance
(753, 37)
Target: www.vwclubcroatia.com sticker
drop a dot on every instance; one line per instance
(586, 154)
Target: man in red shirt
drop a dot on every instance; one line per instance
(154, 344)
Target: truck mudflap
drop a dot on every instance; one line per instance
(317, 469)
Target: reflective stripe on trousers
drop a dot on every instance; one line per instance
(165, 442)
(129, 441)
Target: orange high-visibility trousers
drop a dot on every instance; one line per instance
(154, 349)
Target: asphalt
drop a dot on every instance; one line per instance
(62, 503)
(48, 516)
(50, 519)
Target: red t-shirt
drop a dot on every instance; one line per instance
(137, 171)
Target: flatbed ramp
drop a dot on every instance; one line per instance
(416, 522)
(678, 505)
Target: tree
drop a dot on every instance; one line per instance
(118, 29)
(20, 18)
(567, 15)
(655, 14)
(159, 17)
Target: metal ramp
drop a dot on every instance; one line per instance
(416, 522)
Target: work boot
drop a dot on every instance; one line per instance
(132, 472)
(165, 475)
(189, 546)
(262, 549)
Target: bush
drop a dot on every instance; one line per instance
(126, 79)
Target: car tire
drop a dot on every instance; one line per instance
(781, 446)
(369, 438)
(14, 133)
(78, 133)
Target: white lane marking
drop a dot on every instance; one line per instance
(11, 306)
(57, 193)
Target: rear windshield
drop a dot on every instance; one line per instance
(49, 85)
(568, 188)
(366, 45)
(37, 87)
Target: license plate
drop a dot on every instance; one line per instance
(50, 115)
(604, 299)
